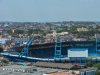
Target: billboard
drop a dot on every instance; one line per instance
(78, 52)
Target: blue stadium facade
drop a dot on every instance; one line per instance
(47, 50)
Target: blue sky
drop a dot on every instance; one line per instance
(49, 10)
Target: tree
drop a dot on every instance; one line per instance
(73, 30)
(97, 66)
(10, 32)
(97, 72)
(89, 64)
(30, 31)
(15, 32)
(19, 31)
(5, 60)
(1, 49)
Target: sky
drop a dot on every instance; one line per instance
(49, 10)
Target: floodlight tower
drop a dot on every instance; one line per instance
(25, 50)
(58, 48)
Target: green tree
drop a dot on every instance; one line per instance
(30, 31)
(89, 64)
(97, 66)
(5, 60)
(97, 72)
(19, 31)
(15, 32)
(10, 32)
(73, 30)
(1, 49)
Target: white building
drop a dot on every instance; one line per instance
(3, 40)
(79, 39)
(82, 29)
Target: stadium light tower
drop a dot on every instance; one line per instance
(97, 37)
(58, 48)
(25, 50)
(96, 41)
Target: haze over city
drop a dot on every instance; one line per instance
(49, 10)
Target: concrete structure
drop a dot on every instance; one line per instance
(82, 29)
(3, 40)
(88, 71)
(78, 55)
(54, 65)
(79, 39)
(78, 52)
(18, 68)
(59, 73)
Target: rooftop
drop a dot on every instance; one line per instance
(60, 73)
(18, 70)
(77, 49)
(54, 65)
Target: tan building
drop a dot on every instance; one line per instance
(82, 29)
(60, 73)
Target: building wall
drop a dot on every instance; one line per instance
(3, 41)
(77, 52)
(48, 50)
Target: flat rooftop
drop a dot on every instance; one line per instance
(54, 65)
(38, 71)
(60, 73)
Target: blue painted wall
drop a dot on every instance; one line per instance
(48, 52)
